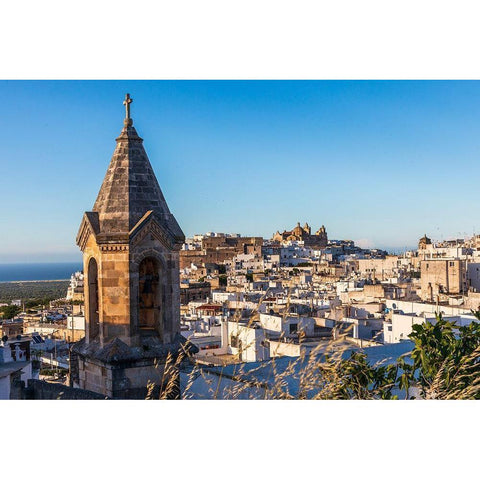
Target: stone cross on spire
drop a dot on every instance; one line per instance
(127, 102)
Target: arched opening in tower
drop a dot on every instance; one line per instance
(93, 316)
(149, 302)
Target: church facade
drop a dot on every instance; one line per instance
(130, 243)
(303, 234)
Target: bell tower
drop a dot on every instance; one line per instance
(130, 243)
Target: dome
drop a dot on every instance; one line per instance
(298, 230)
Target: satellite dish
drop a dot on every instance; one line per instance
(19, 337)
(4, 338)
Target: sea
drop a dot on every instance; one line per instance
(16, 272)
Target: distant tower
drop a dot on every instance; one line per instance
(130, 243)
(423, 242)
(322, 238)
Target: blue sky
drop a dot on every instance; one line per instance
(379, 162)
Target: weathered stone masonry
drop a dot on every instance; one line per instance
(130, 243)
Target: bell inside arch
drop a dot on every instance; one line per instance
(147, 285)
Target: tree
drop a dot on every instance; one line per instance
(444, 364)
(355, 379)
(446, 359)
(9, 311)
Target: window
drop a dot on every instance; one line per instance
(233, 341)
(93, 316)
(293, 327)
(149, 295)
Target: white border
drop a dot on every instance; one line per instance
(241, 40)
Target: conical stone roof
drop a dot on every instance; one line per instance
(130, 189)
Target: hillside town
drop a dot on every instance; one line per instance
(247, 300)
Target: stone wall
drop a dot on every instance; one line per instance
(441, 276)
(41, 390)
(114, 283)
(187, 257)
(195, 292)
